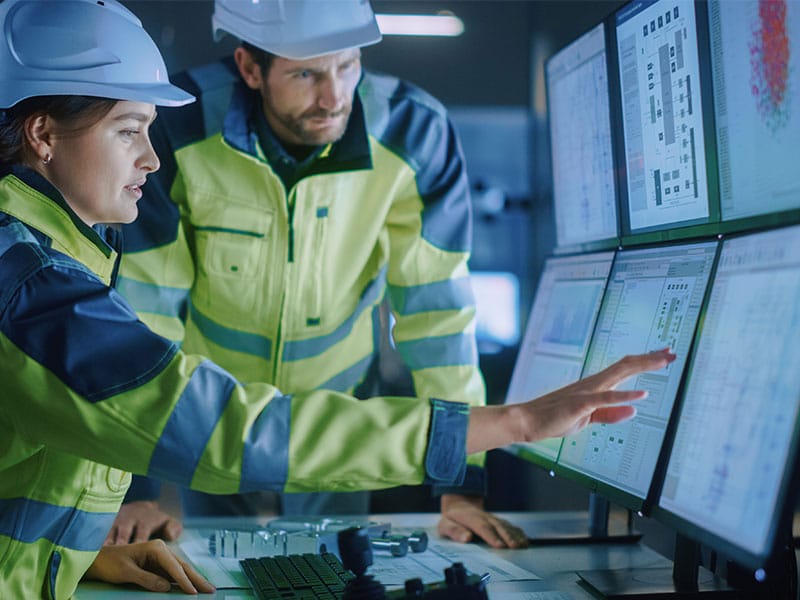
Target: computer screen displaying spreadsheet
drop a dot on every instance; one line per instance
(730, 468)
(652, 301)
(584, 188)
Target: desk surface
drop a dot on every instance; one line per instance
(555, 564)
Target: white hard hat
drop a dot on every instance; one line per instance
(297, 29)
(80, 47)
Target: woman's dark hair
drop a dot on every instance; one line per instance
(75, 113)
(261, 57)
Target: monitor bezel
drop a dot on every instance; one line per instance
(617, 495)
(790, 481)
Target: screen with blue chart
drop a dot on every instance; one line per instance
(557, 335)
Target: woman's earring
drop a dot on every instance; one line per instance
(46, 160)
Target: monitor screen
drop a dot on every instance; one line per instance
(557, 335)
(584, 192)
(652, 301)
(662, 116)
(756, 105)
(730, 466)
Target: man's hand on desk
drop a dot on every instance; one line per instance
(151, 565)
(463, 517)
(139, 521)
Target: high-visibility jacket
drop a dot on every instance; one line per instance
(86, 384)
(284, 285)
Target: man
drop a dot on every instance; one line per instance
(270, 240)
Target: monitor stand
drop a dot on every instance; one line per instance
(598, 528)
(687, 579)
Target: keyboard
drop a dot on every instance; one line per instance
(311, 576)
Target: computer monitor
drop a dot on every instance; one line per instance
(663, 111)
(731, 470)
(652, 301)
(584, 190)
(557, 336)
(756, 106)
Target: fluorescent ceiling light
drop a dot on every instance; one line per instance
(444, 24)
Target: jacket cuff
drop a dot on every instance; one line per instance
(446, 459)
(142, 488)
(474, 484)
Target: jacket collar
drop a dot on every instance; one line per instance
(349, 153)
(38, 204)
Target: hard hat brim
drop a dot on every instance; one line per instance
(160, 95)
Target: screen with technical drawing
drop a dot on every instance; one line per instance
(662, 115)
(584, 190)
(735, 445)
(557, 336)
(756, 104)
(652, 301)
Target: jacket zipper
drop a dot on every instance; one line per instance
(290, 259)
(290, 211)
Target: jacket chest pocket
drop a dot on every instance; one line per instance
(231, 253)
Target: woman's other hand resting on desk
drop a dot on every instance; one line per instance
(564, 411)
(152, 565)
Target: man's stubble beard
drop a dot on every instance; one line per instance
(296, 125)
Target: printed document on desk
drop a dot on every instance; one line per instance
(430, 565)
(223, 571)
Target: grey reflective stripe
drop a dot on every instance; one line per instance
(302, 349)
(14, 233)
(191, 424)
(414, 125)
(445, 351)
(349, 378)
(146, 297)
(238, 341)
(27, 520)
(265, 458)
(451, 294)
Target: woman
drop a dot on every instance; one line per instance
(87, 134)
(85, 384)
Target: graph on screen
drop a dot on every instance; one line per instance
(559, 328)
(584, 192)
(662, 114)
(739, 413)
(754, 49)
(652, 301)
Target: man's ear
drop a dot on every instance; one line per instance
(38, 131)
(249, 69)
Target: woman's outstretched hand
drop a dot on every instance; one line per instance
(566, 410)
